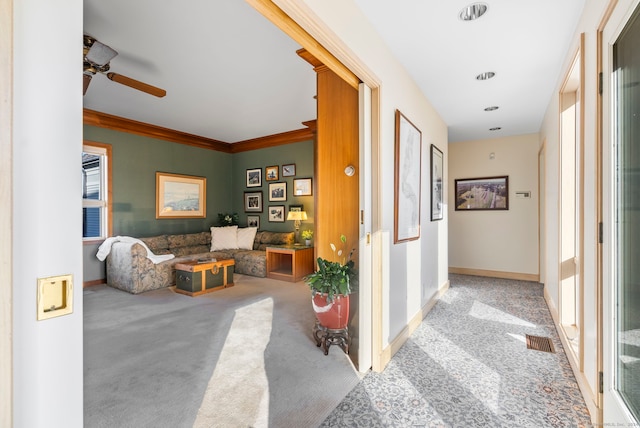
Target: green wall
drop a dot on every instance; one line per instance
(300, 154)
(135, 162)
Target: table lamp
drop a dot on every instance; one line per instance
(297, 217)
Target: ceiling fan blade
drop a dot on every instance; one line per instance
(86, 79)
(136, 84)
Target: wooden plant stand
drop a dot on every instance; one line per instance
(325, 337)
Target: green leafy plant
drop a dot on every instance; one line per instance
(307, 234)
(333, 277)
(228, 219)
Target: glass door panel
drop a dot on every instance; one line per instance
(626, 95)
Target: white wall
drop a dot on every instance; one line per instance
(504, 241)
(47, 146)
(412, 271)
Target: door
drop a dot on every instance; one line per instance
(621, 214)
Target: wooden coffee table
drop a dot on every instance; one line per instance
(289, 262)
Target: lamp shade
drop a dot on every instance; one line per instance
(297, 215)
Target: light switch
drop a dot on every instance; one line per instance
(55, 296)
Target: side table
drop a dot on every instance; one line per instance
(289, 262)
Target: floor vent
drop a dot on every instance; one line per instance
(538, 343)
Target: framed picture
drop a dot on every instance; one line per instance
(289, 170)
(277, 192)
(253, 202)
(486, 193)
(296, 207)
(180, 196)
(271, 173)
(276, 213)
(408, 155)
(437, 166)
(254, 177)
(253, 221)
(302, 187)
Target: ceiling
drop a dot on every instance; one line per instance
(230, 75)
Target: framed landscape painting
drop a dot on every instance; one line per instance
(486, 193)
(180, 196)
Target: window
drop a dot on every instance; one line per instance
(96, 185)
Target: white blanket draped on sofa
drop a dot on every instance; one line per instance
(105, 249)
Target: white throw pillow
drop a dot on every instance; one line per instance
(224, 238)
(246, 235)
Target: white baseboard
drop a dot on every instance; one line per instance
(590, 398)
(496, 274)
(412, 325)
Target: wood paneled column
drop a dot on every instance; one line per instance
(337, 198)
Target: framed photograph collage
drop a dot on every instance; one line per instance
(276, 191)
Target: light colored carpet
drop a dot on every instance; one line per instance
(467, 365)
(239, 357)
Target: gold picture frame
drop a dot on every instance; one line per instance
(271, 173)
(180, 196)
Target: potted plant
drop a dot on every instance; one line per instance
(307, 235)
(330, 288)
(228, 219)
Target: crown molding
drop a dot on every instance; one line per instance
(288, 137)
(116, 123)
(108, 121)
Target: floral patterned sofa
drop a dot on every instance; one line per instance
(129, 269)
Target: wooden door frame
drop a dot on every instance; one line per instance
(542, 212)
(579, 54)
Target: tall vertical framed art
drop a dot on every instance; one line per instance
(408, 159)
(437, 172)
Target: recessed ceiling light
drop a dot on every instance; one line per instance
(492, 108)
(486, 75)
(497, 128)
(473, 11)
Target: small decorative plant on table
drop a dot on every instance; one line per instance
(307, 235)
(228, 219)
(330, 287)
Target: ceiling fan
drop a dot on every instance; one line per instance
(96, 60)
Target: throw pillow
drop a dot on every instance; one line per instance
(224, 238)
(246, 235)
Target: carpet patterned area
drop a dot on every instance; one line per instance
(468, 365)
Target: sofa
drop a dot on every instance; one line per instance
(129, 268)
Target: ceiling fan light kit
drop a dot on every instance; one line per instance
(97, 58)
(100, 54)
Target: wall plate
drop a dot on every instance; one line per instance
(55, 296)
